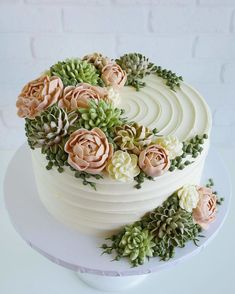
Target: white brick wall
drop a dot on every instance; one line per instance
(106, 20)
(195, 38)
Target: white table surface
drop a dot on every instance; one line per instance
(24, 271)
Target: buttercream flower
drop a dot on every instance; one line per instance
(123, 166)
(188, 197)
(205, 212)
(113, 96)
(154, 160)
(79, 96)
(113, 75)
(171, 144)
(88, 151)
(38, 95)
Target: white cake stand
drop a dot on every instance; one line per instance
(79, 252)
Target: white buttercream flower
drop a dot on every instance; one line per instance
(123, 166)
(189, 197)
(171, 144)
(113, 96)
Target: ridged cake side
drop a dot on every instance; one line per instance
(183, 113)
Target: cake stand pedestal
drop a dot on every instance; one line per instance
(79, 252)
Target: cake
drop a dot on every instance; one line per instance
(117, 138)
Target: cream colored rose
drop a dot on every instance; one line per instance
(113, 75)
(205, 212)
(188, 197)
(38, 95)
(154, 160)
(88, 151)
(171, 144)
(123, 166)
(79, 96)
(113, 96)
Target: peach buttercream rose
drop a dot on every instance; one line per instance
(205, 212)
(113, 75)
(88, 151)
(38, 95)
(154, 160)
(79, 96)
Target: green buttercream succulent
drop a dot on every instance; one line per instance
(172, 227)
(133, 137)
(100, 114)
(48, 129)
(75, 71)
(137, 244)
(137, 66)
(132, 242)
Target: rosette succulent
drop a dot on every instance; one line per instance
(136, 243)
(50, 127)
(75, 71)
(137, 66)
(100, 114)
(98, 60)
(38, 95)
(133, 137)
(172, 227)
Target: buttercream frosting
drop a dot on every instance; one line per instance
(183, 113)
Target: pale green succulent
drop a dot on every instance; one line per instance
(100, 114)
(137, 244)
(75, 71)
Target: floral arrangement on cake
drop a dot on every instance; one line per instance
(71, 113)
(180, 219)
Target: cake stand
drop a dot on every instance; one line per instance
(79, 252)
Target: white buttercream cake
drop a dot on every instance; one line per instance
(182, 113)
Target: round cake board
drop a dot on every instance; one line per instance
(79, 252)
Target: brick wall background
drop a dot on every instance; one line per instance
(195, 38)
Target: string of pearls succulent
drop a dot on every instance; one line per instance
(191, 149)
(172, 80)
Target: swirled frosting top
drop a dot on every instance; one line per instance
(183, 113)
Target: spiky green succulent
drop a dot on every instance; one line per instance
(137, 66)
(49, 129)
(133, 137)
(75, 71)
(172, 227)
(100, 114)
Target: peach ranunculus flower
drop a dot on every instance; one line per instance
(38, 95)
(205, 212)
(113, 75)
(76, 97)
(88, 151)
(154, 160)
